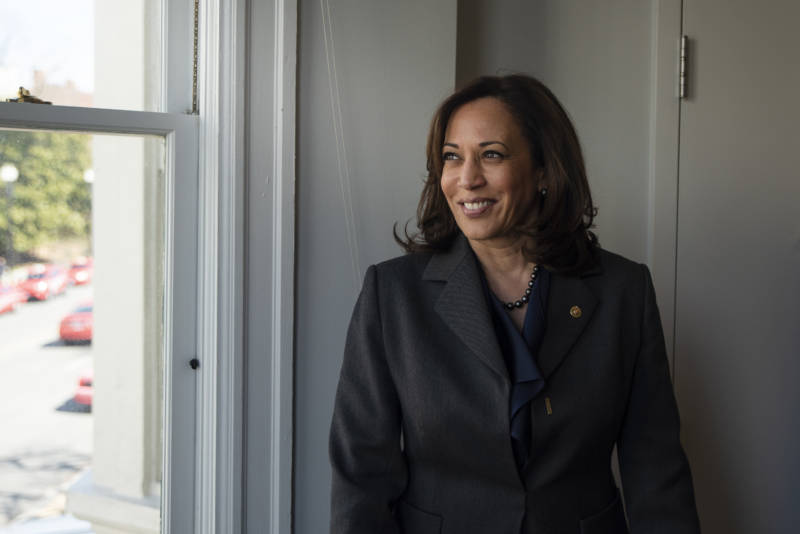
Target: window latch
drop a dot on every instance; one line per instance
(25, 96)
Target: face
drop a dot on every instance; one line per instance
(488, 176)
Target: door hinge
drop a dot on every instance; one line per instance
(684, 67)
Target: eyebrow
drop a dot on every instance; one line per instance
(482, 144)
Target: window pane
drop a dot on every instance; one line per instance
(88, 53)
(82, 233)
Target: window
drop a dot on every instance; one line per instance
(140, 168)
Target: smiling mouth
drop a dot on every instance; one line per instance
(477, 205)
(476, 208)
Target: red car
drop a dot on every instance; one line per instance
(77, 326)
(10, 296)
(81, 271)
(45, 281)
(85, 393)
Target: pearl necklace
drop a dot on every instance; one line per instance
(526, 297)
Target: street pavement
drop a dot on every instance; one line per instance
(44, 442)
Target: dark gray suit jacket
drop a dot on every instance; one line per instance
(420, 440)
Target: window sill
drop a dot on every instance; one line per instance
(111, 513)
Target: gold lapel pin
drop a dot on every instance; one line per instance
(547, 406)
(576, 312)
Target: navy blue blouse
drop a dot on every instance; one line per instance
(519, 351)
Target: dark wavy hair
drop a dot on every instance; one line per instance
(558, 223)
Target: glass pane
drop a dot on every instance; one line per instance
(83, 52)
(82, 237)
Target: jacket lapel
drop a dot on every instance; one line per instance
(570, 305)
(462, 305)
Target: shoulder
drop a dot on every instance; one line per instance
(614, 265)
(414, 262)
(617, 274)
(404, 283)
(401, 270)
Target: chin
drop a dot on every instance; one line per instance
(480, 234)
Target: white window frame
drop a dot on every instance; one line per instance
(180, 328)
(203, 479)
(233, 119)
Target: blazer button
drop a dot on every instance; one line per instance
(575, 312)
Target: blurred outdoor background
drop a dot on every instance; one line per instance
(81, 274)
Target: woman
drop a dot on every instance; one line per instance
(489, 373)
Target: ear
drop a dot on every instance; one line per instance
(539, 178)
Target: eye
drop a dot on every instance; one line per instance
(493, 154)
(449, 156)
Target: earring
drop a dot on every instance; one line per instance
(543, 192)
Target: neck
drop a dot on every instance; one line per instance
(501, 258)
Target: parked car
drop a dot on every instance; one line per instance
(81, 271)
(77, 326)
(10, 296)
(44, 281)
(85, 393)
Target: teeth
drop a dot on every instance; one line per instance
(477, 205)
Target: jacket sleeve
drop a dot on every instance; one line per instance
(656, 480)
(368, 466)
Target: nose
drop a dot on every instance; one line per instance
(471, 174)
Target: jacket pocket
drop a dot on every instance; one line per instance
(415, 521)
(611, 520)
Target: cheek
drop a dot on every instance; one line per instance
(520, 183)
(448, 186)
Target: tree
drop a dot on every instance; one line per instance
(51, 200)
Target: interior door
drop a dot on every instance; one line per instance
(738, 321)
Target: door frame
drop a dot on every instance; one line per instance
(664, 145)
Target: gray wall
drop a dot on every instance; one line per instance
(370, 76)
(596, 57)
